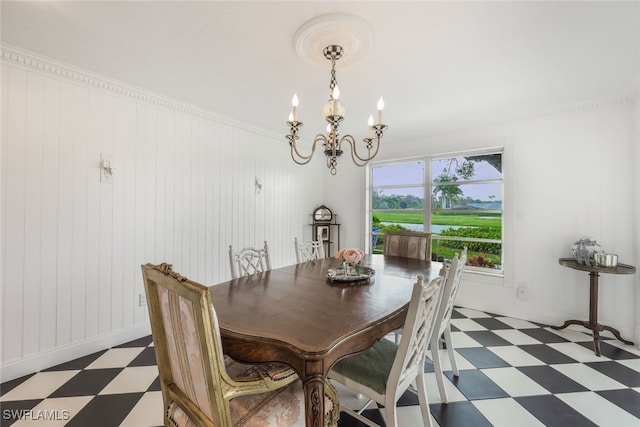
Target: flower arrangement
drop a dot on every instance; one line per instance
(351, 257)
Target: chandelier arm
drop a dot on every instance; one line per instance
(305, 159)
(357, 159)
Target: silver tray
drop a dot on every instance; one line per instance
(339, 275)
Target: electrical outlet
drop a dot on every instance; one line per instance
(142, 300)
(523, 291)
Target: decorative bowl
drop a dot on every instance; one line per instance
(605, 260)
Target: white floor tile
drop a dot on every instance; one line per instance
(132, 380)
(39, 386)
(453, 394)
(517, 323)
(599, 410)
(446, 363)
(631, 363)
(467, 325)
(411, 416)
(115, 358)
(462, 340)
(572, 335)
(147, 412)
(516, 337)
(577, 352)
(514, 382)
(54, 412)
(506, 413)
(515, 356)
(588, 377)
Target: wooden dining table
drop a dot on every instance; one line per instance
(296, 315)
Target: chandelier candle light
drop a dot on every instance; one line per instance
(333, 113)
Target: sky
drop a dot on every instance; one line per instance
(412, 173)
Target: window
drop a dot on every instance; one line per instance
(465, 210)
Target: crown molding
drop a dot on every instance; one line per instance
(15, 56)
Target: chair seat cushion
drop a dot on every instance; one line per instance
(370, 368)
(274, 371)
(283, 407)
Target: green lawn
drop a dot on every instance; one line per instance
(455, 219)
(415, 217)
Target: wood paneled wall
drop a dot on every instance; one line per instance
(183, 190)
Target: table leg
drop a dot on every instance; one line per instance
(593, 314)
(314, 401)
(616, 333)
(593, 310)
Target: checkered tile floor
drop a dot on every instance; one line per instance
(512, 373)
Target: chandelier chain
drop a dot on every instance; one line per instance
(334, 80)
(332, 143)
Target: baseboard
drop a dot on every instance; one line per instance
(37, 362)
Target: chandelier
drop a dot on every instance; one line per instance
(333, 113)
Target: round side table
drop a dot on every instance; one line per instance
(592, 323)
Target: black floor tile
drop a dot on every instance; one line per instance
(482, 358)
(610, 351)
(474, 384)
(106, 410)
(488, 338)
(618, 372)
(86, 383)
(458, 414)
(16, 410)
(455, 314)
(155, 385)
(80, 363)
(627, 399)
(553, 412)
(543, 335)
(10, 385)
(551, 379)
(409, 398)
(492, 323)
(547, 354)
(147, 357)
(140, 342)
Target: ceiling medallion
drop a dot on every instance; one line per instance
(348, 31)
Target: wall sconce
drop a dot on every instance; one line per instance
(258, 184)
(106, 169)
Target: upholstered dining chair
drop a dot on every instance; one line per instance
(248, 261)
(200, 385)
(308, 250)
(408, 244)
(385, 371)
(443, 321)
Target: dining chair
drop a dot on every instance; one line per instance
(408, 244)
(308, 250)
(200, 385)
(248, 261)
(386, 370)
(442, 326)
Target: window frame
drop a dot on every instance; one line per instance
(428, 185)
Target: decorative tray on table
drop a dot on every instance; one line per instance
(350, 275)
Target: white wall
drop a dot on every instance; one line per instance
(183, 191)
(568, 173)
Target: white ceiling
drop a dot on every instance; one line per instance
(436, 63)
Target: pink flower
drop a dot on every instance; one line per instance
(340, 255)
(353, 256)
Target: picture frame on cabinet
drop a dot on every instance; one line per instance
(322, 233)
